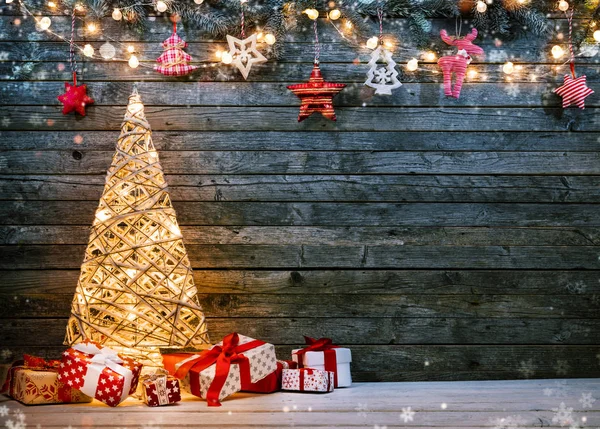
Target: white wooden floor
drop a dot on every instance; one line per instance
(476, 404)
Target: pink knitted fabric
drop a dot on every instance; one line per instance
(458, 62)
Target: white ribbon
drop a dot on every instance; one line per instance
(463, 52)
(103, 358)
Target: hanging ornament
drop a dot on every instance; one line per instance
(382, 77)
(174, 61)
(107, 51)
(574, 89)
(457, 64)
(316, 95)
(242, 52)
(75, 97)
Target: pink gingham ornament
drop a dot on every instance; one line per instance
(174, 61)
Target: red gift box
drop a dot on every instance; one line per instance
(272, 382)
(308, 380)
(160, 389)
(99, 372)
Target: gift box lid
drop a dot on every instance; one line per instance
(342, 355)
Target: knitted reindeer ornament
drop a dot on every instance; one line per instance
(458, 62)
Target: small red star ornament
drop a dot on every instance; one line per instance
(573, 91)
(75, 98)
(316, 95)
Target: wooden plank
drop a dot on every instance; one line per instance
(341, 282)
(449, 141)
(357, 331)
(301, 305)
(272, 118)
(397, 215)
(450, 362)
(254, 94)
(333, 188)
(330, 236)
(276, 162)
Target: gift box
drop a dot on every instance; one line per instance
(160, 389)
(272, 382)
(228, 367)
(324, 355)
(307, 380)
(100, 372)
(34, 381)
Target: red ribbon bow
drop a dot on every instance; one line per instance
(35, 362)
(324, 345)
(230, 352)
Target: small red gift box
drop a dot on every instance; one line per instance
(307, 380)
(272, 382)
(160, 389)
(99, 372)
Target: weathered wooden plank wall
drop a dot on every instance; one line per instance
(440, 239)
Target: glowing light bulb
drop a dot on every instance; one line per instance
(557, 51)
(412, 65)
(508, 67)
(430, 56)
(91, 27)
(269, 39)
(563, 5)
(472, 74)
(107, 51)
(226, 58)
(88, 50)
(51, 4)
(134, 62)
(597, 35)
(348, 25)
(335, 14)
(117, 15)
(481, 6)
(312, 13)
(9, 1)
(219, 54)
(198, 1)
(373, 42)
(161, 6)
(389, 45)
(131, 49)
(45, 23)
(103, 215)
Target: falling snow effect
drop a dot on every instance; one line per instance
(17, 422)
(407, 415)
(3, 411)
(563, 415)
(362, 410)
(587, 400)
(527, 368)
(510, 422)
(561, 367)
(6, 354)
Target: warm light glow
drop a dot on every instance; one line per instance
(107, 51)
(91, 27)
(412, 65)
(131, 49)
(134, 62)
(563, 5)
(88, 50)
(44, 23)
(557, 51)
(597, 35)
(219, 54)
(9, 1)
(161, 6)
(51, 4)
(430, 56)
(270, 39)
(102, 215)
(373, 42)
(348, 25)
(508, 67)
(198, 1)
(226, 58)
(481, 6)
(312, 13)
(472, 74)
(335, 14)
(117, 15)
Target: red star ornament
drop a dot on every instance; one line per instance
(316, 95)
(74, 99)
(573, 91)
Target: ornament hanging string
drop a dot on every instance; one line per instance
(572, 55)
(380, 17)
(72, 59)
(242, 23)
(458, 26)
(317, 47)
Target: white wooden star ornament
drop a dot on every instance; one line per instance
(383, 77)
(244, 53)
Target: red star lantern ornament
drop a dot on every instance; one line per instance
(316, 95)
(573, 91)
(75, 98)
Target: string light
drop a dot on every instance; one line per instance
(44, 23)
(430, 56)
(51, 4)
(226, 58)
(270, 39)
(348, 25)
(388, 45)
(9, 1)
(91, 28)
(508, 67)
(373, 42)
(563, 5)
(161, 6)
(117, 15)
(597, 35)
(134, 62)
(472, 74)
(88, 50)
(412, 65)
(557, 51)
(335, 14)
(311, 13)
(131, 49)
(481, 6)
(107, 51)
(219, 54)
(198, 1)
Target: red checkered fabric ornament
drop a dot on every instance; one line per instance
(174, 61)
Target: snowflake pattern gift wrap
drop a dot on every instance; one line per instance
(228, 367)
(272, 382)
(160, 389)
(307, 380)
(99, 372)
(34, 381)
(324, 355)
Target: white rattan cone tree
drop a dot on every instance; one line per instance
(135, 291)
